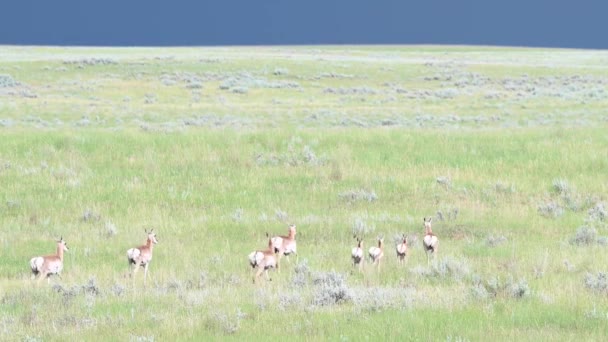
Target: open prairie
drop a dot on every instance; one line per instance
(506, 149)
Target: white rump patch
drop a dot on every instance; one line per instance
(430, 241)
(256, 258)
(374, 252)
(133, 254)
(36, 264)
(357, 254)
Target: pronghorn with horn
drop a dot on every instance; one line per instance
(142, 255)
(357, 253)
(285, 245)
(264, 260)
(377, 253)
(430, 241)
(402, 249)
(48, 265)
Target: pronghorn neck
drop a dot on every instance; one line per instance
(60, 251)
(379, 243)
(149, 244)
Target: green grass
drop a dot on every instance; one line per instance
(247, 164)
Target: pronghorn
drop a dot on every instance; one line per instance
(285, 245)
(357, 253)
(376, 253)
(402, 249)
(45, 266)
(142, 255)
(264, 260)
(430, 242)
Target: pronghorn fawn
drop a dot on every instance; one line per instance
(430, 241)
(357, 253)
(285, 245)
(47, 265)
(402, 249)
(142, 255)
(264, 260)
(377, 253)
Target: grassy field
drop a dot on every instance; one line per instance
(505, 148)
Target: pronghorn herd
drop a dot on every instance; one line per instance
(45, 266)
(263, 260)
(269, 258)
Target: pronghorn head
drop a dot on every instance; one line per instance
(151, 235)
(404, 239)
(271, 245)
(292, 230)
(359, 241)
(380, 241)
(427, 223)
(62, 244)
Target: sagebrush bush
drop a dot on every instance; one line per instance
(585, 236)
(361, 228)
(561, 186)
(493, 241)
(301, 273)
(330, 288)
(550, 209)
(380, 298)
(7, 81)
(597, 283)
(354, 195)
(446, 268)
(495, 287)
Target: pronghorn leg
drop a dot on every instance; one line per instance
(258, 273)
(145, 273)
(42, 276)
(134, 271)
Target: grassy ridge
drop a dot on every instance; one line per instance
(508, 190)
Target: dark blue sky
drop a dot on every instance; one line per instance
(557, 23)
